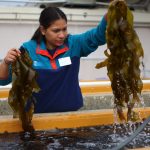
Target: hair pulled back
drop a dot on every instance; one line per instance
(47, 17)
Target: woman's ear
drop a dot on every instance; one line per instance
(42, 29)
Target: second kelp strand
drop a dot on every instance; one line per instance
(23, 85)
(123, 59)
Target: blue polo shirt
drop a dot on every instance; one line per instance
(58, 73)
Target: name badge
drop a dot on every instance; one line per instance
(64, 61)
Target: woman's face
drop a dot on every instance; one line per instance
(55, 34)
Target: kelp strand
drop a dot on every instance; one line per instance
(123, 59)
(23, 85)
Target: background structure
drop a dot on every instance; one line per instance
(19, 20)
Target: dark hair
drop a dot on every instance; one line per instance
(47, 17)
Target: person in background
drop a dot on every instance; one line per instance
(56, 58)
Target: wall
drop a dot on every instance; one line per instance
(13, 33)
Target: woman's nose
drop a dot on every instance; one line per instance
(61, 34)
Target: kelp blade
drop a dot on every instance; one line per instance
(23, 85)
(123, 62)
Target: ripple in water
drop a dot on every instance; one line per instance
(91, 138)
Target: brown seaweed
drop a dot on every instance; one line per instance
(23, 85)
(123, 59)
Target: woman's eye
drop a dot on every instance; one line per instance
(56, 31)
(59, 30)
(65, 29)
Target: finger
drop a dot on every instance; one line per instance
(18, 52)
(13, 57)
(11, 60)
(12, 49)
(14, 52)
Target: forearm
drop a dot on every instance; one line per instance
(101, 31)
(90, 40)
(4, 70)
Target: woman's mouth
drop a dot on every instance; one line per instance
(59, 42)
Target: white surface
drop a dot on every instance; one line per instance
(94, 83)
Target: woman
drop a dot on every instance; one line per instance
(56, 58)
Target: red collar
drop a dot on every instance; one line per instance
(44, 52)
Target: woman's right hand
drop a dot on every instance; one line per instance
(11, 56)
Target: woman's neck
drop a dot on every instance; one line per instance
(50, 47)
